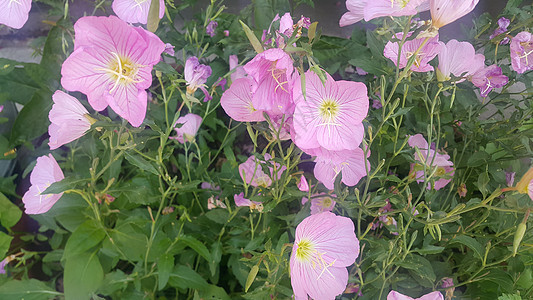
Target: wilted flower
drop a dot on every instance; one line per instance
(444, 12)
(112, 64)
(69, 120)
(45, 172)
(214, 202)
(489, 78)
(447, 283)
(135, 11)
(272, 71)
(503, 23)
(376, 104)
(237, 102)
(169, 49)
(521, 48)
(409, 48)
(196, 75)
(167, 210)
(509, 178)
(325, 244)
(458, 59)
(430, 159)
(241, 201)
(190, 125)
(461, 190)
(14, 13)
(525, 185)
(211, 27)
(331, 114)
(252, 173)
(394, 295)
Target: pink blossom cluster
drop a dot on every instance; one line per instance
(324, 119)
(429, 162)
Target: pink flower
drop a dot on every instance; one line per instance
(424, 56)
(331, 115)
(458, 59)
(303, 185)
(281, 127)
(430, 159)
(521, 48)
(394, 295)
(241, 201)
(69, 120)
(237, 102)
(349, 163)
(45, 172)
(3, 264)
(135, 11)
(211, 27)
(112, 64)
(251, 171)
(325, 244)
(196, 76)
(355, 12)
(394, 8)
(234, 65)
(190, 125)
(444, 12)
(272, 71)
(226, 32)
(14, 13)
(169, 49)
(503, 23)
(322, 204)
(489, 78)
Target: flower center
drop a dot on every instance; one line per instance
(326, 202)
(122, 70)
(440, 171)
(402, 3)
(279, 77)
(305, 250)
(328, 111)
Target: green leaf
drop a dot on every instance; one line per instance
(53, 57)
(165, 265)
(196, 245)
(17, 80)
(184, 277)
(63, 185)
(429, 249)
(31, 289)
(85, 237)
(9, 213)
(213, 292)
(258, 47)
(32, 121)
(142, 163)
(5, 242)
(510, 297)
(500, 278)
(83, 275)
(251, 277)
(471, 243)
(418, 265)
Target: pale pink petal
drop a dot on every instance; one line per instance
(325, 173)
(234, 65)
(190, 125)
(45, 172)
(432, 296)
(355, 12)
(14, 13)
(419, 141)
(394, 295)
(303, 185)
(383, 8)
(459, 59)
(129, 102)
(237, 102)
(285, 24)
(68, 120)
(446, 11)
(241, 201)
